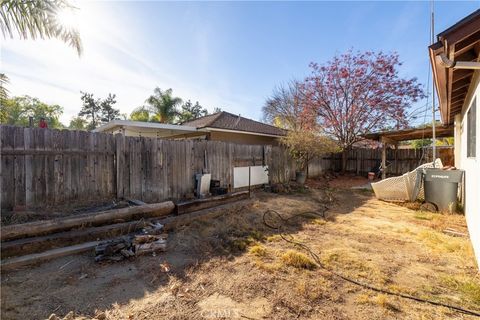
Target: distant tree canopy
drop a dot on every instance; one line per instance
(421, 143)
(164, 107)
(18, 110)
(191, 111)
(140, 114)
(108, 113)
(98, 111)
(78, 123)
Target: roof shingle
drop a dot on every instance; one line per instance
(228, 121)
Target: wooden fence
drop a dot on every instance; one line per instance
(43, 167)
(363, 160)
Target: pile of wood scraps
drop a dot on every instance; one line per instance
(151, 239)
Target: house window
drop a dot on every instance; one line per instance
(472, 130)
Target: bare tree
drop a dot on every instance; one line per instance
(284, 108)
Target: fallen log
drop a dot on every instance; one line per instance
(14, 263)
(199, 204)
(50, 226)
(173, 222)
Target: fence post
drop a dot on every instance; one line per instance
(120, 164)
(357, 153)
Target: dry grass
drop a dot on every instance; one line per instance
(298, 260)
(353, 263)
(274, 238)
(422, 215)
(440, 221)
(313, 289)
(269, 267)
(258, 250)
(470, 288)
(442, 243)
(319, 222)
(382, 300)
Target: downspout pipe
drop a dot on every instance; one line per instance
(447, 63)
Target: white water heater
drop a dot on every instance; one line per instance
(202, 184)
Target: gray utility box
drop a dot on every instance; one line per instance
(441, 188)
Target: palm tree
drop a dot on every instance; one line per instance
(37, 19)
(3, 82)
(163, 105)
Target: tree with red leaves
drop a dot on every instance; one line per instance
(357, 93)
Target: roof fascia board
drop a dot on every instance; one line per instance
(140, 124)
(243, 132)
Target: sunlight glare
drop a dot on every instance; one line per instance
(68, 18)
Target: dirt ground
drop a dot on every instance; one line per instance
(235, 267)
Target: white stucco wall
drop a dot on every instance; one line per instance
(471, 167)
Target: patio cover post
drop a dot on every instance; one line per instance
(385, 142)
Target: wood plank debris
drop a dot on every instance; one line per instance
(454, 233)
(150, 240)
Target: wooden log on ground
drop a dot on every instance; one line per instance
(67, 238)
(173, 222)
(199, 204)
(14, 263)
(99, 218)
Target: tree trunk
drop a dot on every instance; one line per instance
(344, 160)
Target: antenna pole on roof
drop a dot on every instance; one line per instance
(434, 139)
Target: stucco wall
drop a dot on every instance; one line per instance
(242, 138)
(471, 167)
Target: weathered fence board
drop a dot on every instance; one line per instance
(43, 167)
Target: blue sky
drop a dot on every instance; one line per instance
(223, 54)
